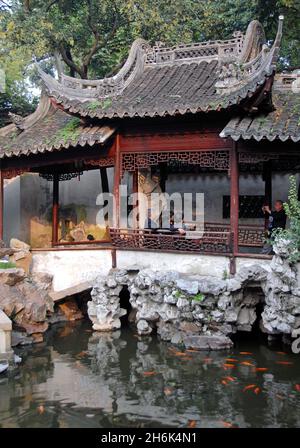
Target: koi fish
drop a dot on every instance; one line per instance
(151, 373)
(261, 369)
(229, 378)
(180, 354)
(192, 424)
(231, 360)
(81, 354)
(257, 390)
(224, 382)
(249, 387)
(192, 350)
(297, 387)
(229, 366)
(246, 353)
(284, 363)
(246, 363)
(281, 353)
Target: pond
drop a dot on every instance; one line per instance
(82, 379)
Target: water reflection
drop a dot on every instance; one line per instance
(81, 379)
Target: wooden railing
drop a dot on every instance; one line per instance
(208, 242)
(250, 235)
(216, 238)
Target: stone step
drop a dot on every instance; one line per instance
(56, 296)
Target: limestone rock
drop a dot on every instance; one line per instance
(42, 280)
(12, 276)
(189, 327)
(188, 286)
(143, 327)
(16, 244)
(6, 251)
(207, 342)
(246, 317)
(231, 315)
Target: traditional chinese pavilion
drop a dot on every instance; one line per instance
(211, 116)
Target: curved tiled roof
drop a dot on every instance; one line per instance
(159, 81)
(283, 123)
(49, 129)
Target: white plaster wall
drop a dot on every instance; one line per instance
(12, 216)
(72, 267)
(184, 263)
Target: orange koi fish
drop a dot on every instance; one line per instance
(151, 373)
(192, 424)
(229, 378)
(229, 366)
(246, 363)
(249, 387)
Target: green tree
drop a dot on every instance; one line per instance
(291, 236)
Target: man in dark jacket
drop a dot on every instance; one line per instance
(277, 217)
(276, 220)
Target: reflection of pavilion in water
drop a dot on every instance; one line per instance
(98, 380)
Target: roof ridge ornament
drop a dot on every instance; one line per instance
(105, 87)
(17, 120)
(255, 58)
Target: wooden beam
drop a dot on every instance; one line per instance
(234, 197)
(34, 161)
(176, 142)
(1, 204)
(55, 210)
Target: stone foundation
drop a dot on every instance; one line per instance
(199, 311)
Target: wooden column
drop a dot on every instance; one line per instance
(1, 203)
(55, 209)
(234, 197)
(117, 180)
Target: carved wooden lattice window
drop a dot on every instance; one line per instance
(218, 160)
(250, 207)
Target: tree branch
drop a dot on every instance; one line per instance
(51, 4)
(67, 58)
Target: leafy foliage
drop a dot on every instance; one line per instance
(7, 265)
(292, 235)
